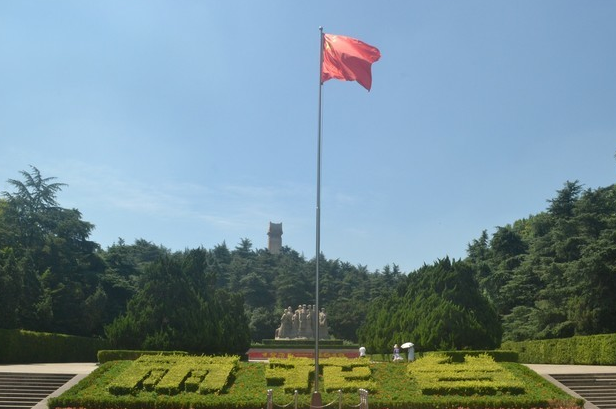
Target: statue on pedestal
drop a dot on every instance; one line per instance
(302, 323)
(323, 330)
(286, 324)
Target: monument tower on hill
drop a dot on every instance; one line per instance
(274, 242)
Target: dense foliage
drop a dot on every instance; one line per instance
(178, 307)
(553, 275)
(550, 275)
(49, 270)
(52, 278)
(140, 295)
(437, 307)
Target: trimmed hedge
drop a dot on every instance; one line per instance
(455, 356)
(107, 355)
(498, 356)
(578, 350)
(25, 347)
(348, 379)
(347, 375)
(436, 374)
(292, 374)
(172, 374)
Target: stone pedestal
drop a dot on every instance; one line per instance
(301, 348)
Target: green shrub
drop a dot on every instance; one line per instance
(437, 374)
(217, 377)
(166, 374)
(379, 357)
(196, 377)
(292, 374)
(107, 355)
(174, 380)
(348, 379)
(578, 350)
(21, 347)
(153, 381)
(498, 355)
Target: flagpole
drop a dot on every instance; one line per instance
(316, 397)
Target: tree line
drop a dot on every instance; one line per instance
(142, 295)
(549, 275)
(553, 275)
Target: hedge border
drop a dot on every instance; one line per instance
(498, 355)
(26, 347)
(577, 350)
(106, 355)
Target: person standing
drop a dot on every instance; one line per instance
(397, 356)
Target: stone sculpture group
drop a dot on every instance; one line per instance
(302, 323)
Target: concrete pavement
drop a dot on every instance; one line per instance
(87, 367)
(544, 369)
(79, 369)
(74, 368)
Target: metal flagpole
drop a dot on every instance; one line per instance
(316, 397)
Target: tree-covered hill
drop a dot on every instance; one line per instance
(553, 274)
(53, 278)
(548, 275)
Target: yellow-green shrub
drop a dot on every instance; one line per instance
(167, 374)
(477, 375)
(349, 380)
(292, 373)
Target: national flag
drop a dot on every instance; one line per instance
(348, 59)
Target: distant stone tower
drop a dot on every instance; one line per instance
(274, 243)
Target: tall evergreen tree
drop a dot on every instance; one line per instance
(552, 275)
(54, 256)
(439, 306)
(177, 307)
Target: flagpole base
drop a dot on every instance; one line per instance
(316, 401)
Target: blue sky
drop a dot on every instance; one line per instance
(190, 123)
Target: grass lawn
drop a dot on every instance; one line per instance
(206, 382)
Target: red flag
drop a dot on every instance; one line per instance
(348, 59)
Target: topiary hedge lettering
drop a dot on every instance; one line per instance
(199, 382)
(436, 374)
(172, 374)
(295, 374)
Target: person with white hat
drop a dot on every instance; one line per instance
(397, 356)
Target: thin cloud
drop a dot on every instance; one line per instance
(232, 206)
